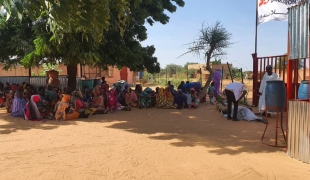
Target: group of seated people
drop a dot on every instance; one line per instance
(51, 103)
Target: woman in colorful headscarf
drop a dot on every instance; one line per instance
(80, 106)
(145, 98)
(138, 90)
(217, 81)
(64, 110)
(18, 106)
(113, 105)
(9, 101)
(164, 99)
(98, 101)
(130, 98)
(35, 110)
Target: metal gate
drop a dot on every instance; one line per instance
(279, 65)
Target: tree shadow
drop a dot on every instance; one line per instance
(9, 124)
(200, 127)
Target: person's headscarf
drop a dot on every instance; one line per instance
(217, 81)
(147, 90)
(14, 87)
(112, 98)
(33, 108)
(66, 98)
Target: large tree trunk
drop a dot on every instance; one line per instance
(71, 72)
(206, 86)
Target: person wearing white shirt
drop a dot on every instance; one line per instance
(268, 76)
(234, 92)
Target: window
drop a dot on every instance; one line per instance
(110, 73)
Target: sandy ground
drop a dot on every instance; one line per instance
(143, 144)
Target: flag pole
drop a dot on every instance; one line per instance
(256, 22)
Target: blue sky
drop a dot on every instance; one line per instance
(237, 16)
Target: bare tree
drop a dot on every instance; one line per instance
(212, 42)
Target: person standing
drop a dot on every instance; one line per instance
(234, 92)
(211, 92)
(217, 77)
(268, 76)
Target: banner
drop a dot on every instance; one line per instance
(274, 10)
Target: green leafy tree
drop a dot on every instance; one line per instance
(212, 42)
(173, 69)
(15, 40)
(217, 61)
(116, 46)
(89, 17)
(127, 50)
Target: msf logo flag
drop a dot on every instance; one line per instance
(274, 10)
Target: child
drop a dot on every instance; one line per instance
(211, 93)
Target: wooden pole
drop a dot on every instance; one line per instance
(222, 78)
(232, 80)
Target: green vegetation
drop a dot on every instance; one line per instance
(98, 33)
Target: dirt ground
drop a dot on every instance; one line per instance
(143, 144)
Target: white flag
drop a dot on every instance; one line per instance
(269, 10)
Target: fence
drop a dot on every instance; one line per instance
(37, 81)
(279, 64)
(298, 140)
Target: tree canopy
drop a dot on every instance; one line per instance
(79, 16)
(83, 44)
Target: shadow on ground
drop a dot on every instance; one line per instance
(203, 127)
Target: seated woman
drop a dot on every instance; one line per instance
(9, 101)
(18, 106)
(138, 91)
(180, 99)
(153, 99)
(64, 110)
(35, 108)
(80, 106)
(50, 96)
(191, 98)
(130, 98)
(113, 105)
(97, 98)
(145, 98)
(87, 97)
(164, 99)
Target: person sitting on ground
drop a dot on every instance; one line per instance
(19, 103)
(36, 108)
(65, 111)
(180, 99)
(41, 92)
(211, 92)
(130, 98)
(190, 99)
(195, 97)
(50, 96)
(145, 98)
(97, 98)
(80, 106)
(9, 101)
(153, 99)
(120, 96)
(181, 86)
(138, 91)
(87, 97)
(164, 99)
(234, 92)
(113, 104)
